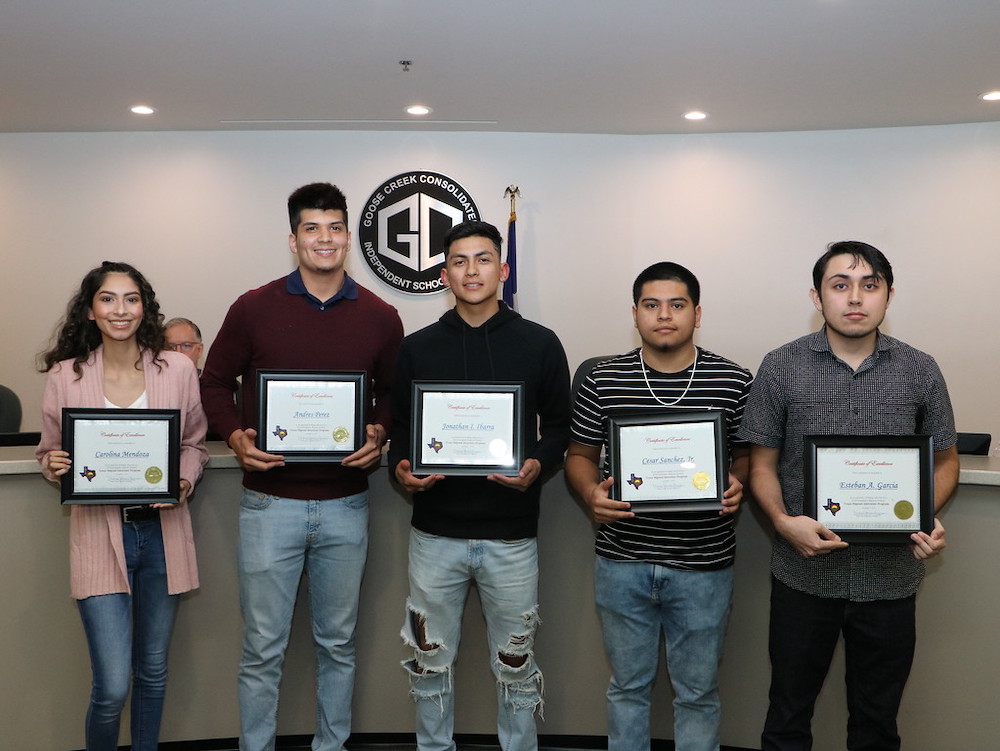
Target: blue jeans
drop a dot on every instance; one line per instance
(279, 539)
(441, 571)
(635, 601)
(128, 637)
(879, 642)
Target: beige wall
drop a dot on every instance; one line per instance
(45, 679)
(202, 214)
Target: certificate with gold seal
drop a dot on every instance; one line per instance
(464, 428)
(123, 456)
(669, 461)
(870, 488)
(311, 415)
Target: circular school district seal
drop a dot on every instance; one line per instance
(340, 435)
(154, 475)
(903, 510)
(402, 228)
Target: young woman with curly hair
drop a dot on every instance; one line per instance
(128, 563)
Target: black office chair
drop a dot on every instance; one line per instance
(583, 370)
(10, 421)
(10, 411)
(977, 444)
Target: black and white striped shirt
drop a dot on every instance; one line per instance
(692, 540)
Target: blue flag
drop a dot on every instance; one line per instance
(510, 286)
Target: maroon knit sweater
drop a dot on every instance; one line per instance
(272, 328)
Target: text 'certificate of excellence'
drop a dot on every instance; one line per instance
(467, 429)
(669, 462)
(870, 488)
(121, 456)
(310, 416)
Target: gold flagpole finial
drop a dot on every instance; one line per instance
(513, 193)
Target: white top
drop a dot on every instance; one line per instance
(142, 402)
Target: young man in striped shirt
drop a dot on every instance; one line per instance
(661, 570)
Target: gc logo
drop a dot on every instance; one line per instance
(403, 225)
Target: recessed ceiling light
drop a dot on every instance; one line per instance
(695, 115)
(142, 109)
(419, 109)
(990, 96)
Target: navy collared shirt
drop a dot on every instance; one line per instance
(295, 286)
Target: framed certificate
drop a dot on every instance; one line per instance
(122, 456)
(310, 415)
(667, 461)
(467, 428)
(870, 488)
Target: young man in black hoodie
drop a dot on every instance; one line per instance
(478, 529)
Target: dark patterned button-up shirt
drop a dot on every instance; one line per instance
(802, 388)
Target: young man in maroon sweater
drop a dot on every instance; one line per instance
(302, 516)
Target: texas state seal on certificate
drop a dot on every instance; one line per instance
(870, 488)
(669, 461)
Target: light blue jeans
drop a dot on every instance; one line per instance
(128, 637)
(441, 571)
(279, 539)
(635, 601)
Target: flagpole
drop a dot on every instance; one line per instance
(510, 286)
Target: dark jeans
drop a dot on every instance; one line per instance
(879, 639)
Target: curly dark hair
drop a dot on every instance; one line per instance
(77, 336)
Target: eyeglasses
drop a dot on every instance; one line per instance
(185, 346)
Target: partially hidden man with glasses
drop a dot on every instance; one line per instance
(185, 337)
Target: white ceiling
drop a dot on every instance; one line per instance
(571, 66)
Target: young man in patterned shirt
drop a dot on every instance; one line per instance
(661, 570)
(847, 378)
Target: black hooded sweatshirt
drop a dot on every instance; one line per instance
(505, 348)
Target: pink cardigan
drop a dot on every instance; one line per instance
(97, 556)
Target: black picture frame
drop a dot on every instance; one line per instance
(685, 493)
(119, 443)
(327, 449)
(474, 462)
(862, 487)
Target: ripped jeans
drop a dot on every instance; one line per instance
(441, 571)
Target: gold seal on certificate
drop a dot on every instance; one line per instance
(310, 415)
(870, 488)
(467, 428)
(121, 456)
(668, 461)
(701, 480)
